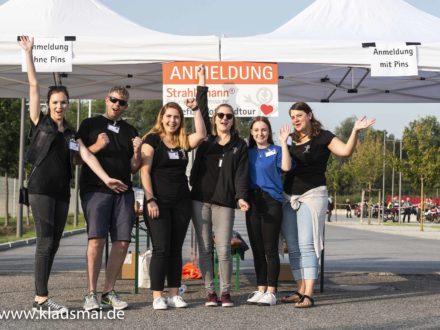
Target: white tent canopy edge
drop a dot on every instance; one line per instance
(321, 56)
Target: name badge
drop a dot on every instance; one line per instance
(73, 145)
(113, 128)
(173, 155)
(271, 153)
(220, 162)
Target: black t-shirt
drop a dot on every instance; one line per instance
(168, 172)
(204, 188)
(311, 163)
(52, 176)
(115, 158)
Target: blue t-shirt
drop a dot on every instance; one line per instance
(265, 171)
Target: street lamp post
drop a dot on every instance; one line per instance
(383, 176)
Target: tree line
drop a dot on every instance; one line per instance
(420, 161)
(347, 176)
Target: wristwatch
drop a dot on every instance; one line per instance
(152, 199)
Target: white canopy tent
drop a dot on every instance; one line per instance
(322, 59)
(109, 49)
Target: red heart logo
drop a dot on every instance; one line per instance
(266, 109)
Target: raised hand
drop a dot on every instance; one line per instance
(137, 144)
(201, 70)
(116, 185)
(26, 43)
(363, 123)
(284, 133)
(191, 103)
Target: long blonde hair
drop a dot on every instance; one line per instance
(180, 138)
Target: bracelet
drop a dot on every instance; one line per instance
(195, 109)
(152, 199)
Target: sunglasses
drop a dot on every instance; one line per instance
(222, 115)
(122, 103)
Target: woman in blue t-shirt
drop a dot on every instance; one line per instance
(263, 219)
(306, 192)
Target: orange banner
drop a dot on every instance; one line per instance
(248, 73)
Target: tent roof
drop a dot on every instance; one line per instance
(109, 49)
(372, 20)
(318, 48)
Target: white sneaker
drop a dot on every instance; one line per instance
(268, 299)
(91, 302)
(176, 302)
(160, 303)
(254, 297)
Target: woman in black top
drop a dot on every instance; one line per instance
(50, 153)
(219, 180)
(167, 205)
(306, 192)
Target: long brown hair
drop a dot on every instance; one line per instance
(234, 123)
(316, 125)
(263, 119)
(180, 138)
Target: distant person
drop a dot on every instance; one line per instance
(267, 162)
(167, 202)
(118, 148)
(330, 207)
(407, 208)
(305, 187)
(51, 152)
(348, 208)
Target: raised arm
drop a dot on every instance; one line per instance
(200, 130)
(342, 149)
(34, 96)
(286, 160)
(114, 184)
(202, 98)
(136, 160)
(147, 153)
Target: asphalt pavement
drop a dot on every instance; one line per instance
(375, 278)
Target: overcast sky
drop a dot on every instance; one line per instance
(249, 17)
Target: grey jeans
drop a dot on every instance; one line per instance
(209, 219)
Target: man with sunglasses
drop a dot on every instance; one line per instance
(117, 146)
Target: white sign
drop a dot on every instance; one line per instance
(250, 88)
(393, 60)
(50, 55)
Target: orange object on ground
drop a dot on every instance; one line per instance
(190, 272)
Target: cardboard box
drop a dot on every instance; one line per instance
(127, 270)
(285, 273)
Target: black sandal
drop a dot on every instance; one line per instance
(289, 300)
(300, 304)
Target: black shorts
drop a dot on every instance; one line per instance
(106, 213)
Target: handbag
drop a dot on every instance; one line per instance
(144, 269)
(23, 195)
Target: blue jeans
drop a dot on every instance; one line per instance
(297, 229)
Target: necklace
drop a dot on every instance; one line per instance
(261, 151)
